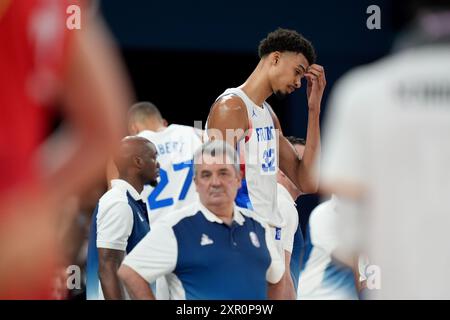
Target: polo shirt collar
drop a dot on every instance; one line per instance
(125, 186)
(237, 215)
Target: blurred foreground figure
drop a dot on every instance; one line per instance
(386, 145)
(44, 64)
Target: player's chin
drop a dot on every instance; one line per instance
(154, 182)
(279, 94)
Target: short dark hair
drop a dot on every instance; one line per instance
(287, 40)
(143, 110)
(295, 140)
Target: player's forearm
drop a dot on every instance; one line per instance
(290, 293)
(276, 291)
(283, 290)
(137, 287)
(307, 172)
(111, 287)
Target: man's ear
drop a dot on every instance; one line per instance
(139, 162)
(275, 57)
(133, 129)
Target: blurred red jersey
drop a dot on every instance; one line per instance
(33, 53)
(33, 40)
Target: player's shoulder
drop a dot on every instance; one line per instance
(228, 112)
(114, 193)
(147, 134)
(182, 129)
(370, 78)
(229, 103)
(325, 210)
(114, 197)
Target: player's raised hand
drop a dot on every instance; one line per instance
(315, 76)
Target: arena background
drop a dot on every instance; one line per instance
(181, 55)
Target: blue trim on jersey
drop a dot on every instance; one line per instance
(296, 256)
(308, 248)
(340, 278)
(242, 198)
(141, 227)
(336, 275)
(232, 265)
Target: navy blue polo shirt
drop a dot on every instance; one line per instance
(204, 258)
(119, 222)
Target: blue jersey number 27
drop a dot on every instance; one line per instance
(155, 203)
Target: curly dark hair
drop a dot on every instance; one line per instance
(287, 40)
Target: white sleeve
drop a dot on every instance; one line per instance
(114, 227)
(346, 139)
(290, 214)
(323, 229)
(156, 254)
(276, 268)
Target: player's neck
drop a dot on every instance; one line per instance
(134, 182)
(257, 86)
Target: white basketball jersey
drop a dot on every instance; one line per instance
(388, 130)
(176, 146)
(258, 156)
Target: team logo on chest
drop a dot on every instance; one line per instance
(254, 239)
(205, 240)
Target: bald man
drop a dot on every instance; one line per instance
(120, 219)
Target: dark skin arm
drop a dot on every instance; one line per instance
(284, 289)
(300, 170)
(229, 113)
(137, 287)
(109, 263)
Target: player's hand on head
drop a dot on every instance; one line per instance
(315, 76)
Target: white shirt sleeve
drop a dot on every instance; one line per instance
(114, 226)
(323, 228)
(156, 254)
(290, 215)
(346, 140)
(276, 268)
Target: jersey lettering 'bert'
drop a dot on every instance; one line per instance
(169, 147)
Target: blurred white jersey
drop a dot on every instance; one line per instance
(323, 277)
(389, 131)
(258, 157)
(176, 146)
